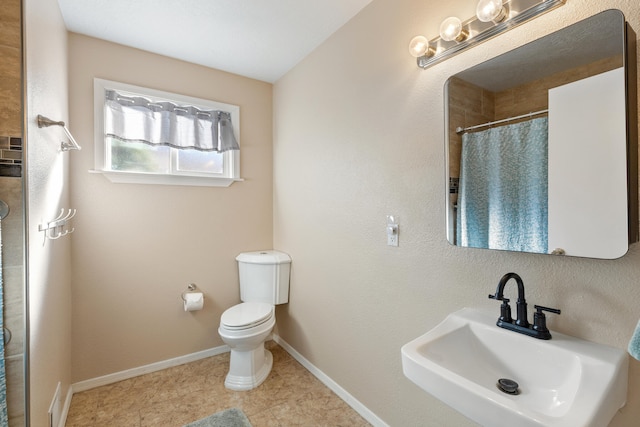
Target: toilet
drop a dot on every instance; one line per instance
(264, 282)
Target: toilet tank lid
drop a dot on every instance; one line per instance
(264, 257)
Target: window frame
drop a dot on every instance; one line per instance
(231, 158)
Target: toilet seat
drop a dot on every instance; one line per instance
(246, 315)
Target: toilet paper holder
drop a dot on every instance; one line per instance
(191, 288)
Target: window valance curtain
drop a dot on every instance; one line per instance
(136, 119)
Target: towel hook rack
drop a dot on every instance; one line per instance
(57, 227)
(64, 146)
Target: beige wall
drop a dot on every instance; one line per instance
(137, 247)
(47, 186)
(358, 134)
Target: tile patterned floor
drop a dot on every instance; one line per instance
(291, 396)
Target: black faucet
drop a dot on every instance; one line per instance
(521, 324)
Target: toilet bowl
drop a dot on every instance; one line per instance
(264, 282)
(244, 328)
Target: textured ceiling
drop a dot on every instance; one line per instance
(260, 39)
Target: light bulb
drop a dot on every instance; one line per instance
(491, 10)
(419, 46)
(451, 29)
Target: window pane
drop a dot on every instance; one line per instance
(138, 157)
(200, 161)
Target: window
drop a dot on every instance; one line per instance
(147, 136)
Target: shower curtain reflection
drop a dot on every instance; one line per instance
(502, 200)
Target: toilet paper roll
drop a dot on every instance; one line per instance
(193, 301)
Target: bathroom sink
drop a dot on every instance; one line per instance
(564, 381)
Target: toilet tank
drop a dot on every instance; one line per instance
(264, 276)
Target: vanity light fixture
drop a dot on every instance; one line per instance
(493, 17)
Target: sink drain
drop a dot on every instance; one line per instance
(508, 386)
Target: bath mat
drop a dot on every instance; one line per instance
(233, 417)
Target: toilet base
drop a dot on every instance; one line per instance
(248, 369)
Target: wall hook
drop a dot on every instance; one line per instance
(57, 227)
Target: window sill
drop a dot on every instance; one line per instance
(158, 179)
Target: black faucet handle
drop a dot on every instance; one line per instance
(498, 298)
(540, 309)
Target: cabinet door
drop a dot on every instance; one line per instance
(588, 167)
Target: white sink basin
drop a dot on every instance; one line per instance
(565, 381)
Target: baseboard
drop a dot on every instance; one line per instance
(65, 407)
(357, 406)
(147, 369)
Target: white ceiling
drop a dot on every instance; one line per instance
(260, 39)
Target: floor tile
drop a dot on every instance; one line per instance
(291, 396)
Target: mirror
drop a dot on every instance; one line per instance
(541, 145)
